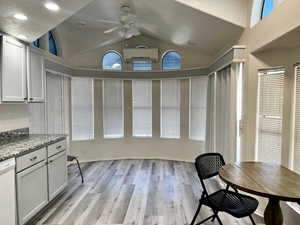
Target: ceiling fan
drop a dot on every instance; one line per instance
(127, 27)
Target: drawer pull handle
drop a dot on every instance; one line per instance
(33, 158)
(58, 147)
(51, 161)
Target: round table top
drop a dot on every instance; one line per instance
(263, 179)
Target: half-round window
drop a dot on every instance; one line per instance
(112, 61)
(52, 44)
(267, 8)
(171, 61)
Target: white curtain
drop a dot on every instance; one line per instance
(170, 109)
(54, 105)
(82, 90)
(142, 108)
(113, 109)
(222, 108)
(210, 114)
(198, 99)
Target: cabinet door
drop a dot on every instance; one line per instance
(13, 70)
(32, 191)
(57, 174)
(35, 75)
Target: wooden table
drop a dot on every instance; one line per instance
(271, 181)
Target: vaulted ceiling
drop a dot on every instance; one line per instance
(205, 25)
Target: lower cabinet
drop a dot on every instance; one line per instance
(31, 191)
(57, 174)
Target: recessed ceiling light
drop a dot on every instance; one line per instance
(52, 6)
(21, 36)
(20, 16)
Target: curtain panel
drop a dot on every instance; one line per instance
(222, 124)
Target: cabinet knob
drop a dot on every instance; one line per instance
(31, 99)
(25, 98)
(33, 158)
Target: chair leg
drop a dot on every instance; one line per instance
(82, 180)
(219, 220)
(252, 220)
(197, 212)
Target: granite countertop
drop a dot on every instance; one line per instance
(26, 143)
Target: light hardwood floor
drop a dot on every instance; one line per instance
(130, 192)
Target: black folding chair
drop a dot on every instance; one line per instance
(223, 200)
(71, 158)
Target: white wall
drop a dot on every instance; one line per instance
(13, 116)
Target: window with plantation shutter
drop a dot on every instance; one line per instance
(270, 107)
(113, 109)
(82, 98)
(142, 108)
(296, 153)
(198, 95)
(170, 109)
(54, 104)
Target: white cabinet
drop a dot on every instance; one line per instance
(13, 70)
(32, 191)
(35, 75)
(57, 174)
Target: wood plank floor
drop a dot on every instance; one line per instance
(130, 192)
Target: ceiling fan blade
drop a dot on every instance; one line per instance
(108, 21)
(111, 30)
(102, 44)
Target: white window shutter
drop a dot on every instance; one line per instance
(296, 153)
(198, 99)
(170, 109)
(82, 92)
(142, 108)
(113, 109)
(270, 107)
(54, 104)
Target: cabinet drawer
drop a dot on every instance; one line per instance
(30, 159)
(57, 147)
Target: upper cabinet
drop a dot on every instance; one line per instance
(13, 70)
(35, 75)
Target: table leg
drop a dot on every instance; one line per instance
(273, 213)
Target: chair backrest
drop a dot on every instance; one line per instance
(208, 165)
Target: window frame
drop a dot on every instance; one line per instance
(161, 107)
(112, 51)
(262, 8)
(141, 60)
(123, 112)
(162, 60)
(132, 95)
(51, 36)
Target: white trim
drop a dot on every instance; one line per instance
(59, 73)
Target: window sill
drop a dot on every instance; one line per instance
(174, 138)
(112, 137)
(142, 137)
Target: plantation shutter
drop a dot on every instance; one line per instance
(113, 109)
(142, 108)
(82, 108)
(296, 158)
(271, 83)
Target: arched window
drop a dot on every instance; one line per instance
(267, 8)
(171, 60)
(112, 61)
(52, 44)
(36, 43)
